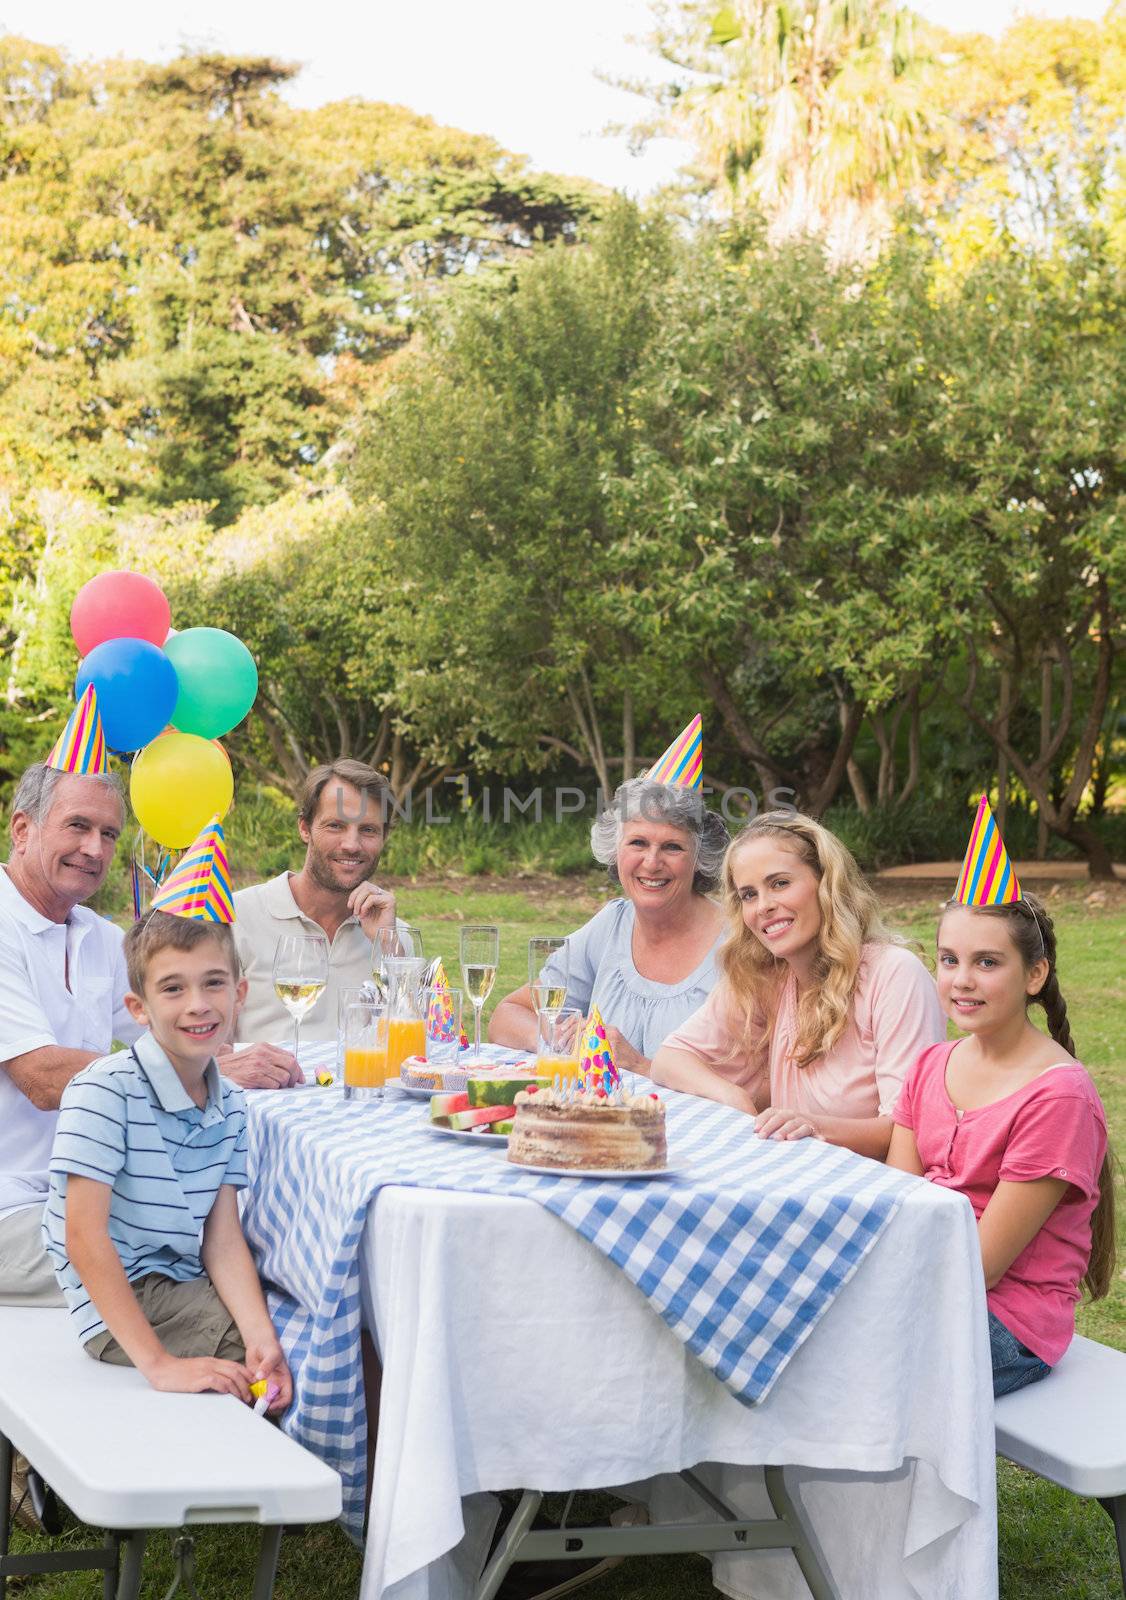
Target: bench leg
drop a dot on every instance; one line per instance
(109, 1577)
(522, 1519)
(129, 1584)
(267, 1569)
(1116, 1511)
(810, 1562)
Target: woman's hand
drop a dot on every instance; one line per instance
(778, 1123)
(625, 1056)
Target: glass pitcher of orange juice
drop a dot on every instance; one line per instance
(363, 1025)
(406, 1025)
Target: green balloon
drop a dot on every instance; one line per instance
(218, 681)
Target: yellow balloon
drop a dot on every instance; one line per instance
(177, 785)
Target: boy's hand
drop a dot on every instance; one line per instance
(199, 1374)
(264, 1359)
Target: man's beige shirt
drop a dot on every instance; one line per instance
(263, 913)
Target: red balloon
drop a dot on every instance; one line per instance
(119, 605)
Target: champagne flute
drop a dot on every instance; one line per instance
(480, 955)
(547, 978)
(300, 975)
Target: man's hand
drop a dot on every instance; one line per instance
(375, 907)
(777, 1123)
(198, 1375)
(264, 1359)
(260, 1066)
(625, 1055)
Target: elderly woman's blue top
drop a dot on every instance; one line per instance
(601, 973)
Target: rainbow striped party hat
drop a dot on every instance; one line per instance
(81, 747)
(200, 886)
(596, 1054)
(987, 877)
(683, 761)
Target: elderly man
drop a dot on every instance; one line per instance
(342, 821)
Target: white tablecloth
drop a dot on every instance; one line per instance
(516, 1356)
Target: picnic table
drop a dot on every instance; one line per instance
(765, 1304)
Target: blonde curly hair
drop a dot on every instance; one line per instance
(850, 919)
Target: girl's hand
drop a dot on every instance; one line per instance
(625, 1055)
(264, 1359)
(777, 1123)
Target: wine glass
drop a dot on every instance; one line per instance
(480, 955)
(547, 977)
(300, 975)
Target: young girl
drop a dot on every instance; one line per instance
(1008, 1117)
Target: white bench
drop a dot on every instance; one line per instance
(1071, 1429)
(128, 1459)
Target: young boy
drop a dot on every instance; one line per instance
(142, 1223)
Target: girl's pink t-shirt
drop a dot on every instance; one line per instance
(1053, 1127)
(895, 1013)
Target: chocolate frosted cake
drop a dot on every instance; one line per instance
(568, 1128)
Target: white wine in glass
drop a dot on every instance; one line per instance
(300, 976)
(480, 957)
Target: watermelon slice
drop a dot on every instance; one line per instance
(481, 1115)
(444, 1105)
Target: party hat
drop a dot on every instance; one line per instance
(200, 887)
(81, 747)
(683, 761)
(987, 877)
(596, 1054)
(440, 1011)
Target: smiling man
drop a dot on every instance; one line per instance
(62, 994)
(342, 822)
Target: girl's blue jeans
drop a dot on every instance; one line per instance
(1014, 1364)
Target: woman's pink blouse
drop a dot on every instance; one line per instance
(895, 1015)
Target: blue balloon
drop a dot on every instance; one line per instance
(136, 685)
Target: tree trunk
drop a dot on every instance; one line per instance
(824, 795)
(914, 747)
(629, 736)
(1045, 739)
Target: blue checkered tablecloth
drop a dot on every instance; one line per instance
(741, 1250)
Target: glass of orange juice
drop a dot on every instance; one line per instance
(364, 1028)
(560, 1032)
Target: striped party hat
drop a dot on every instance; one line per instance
(200, 887)
(683, 761)
(987, 877)
(81, 747)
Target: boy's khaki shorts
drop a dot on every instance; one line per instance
(188, 1318)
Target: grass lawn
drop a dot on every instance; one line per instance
(1052, 1546)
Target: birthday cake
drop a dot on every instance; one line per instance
(568, 1128)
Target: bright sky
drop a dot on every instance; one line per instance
(524, 73)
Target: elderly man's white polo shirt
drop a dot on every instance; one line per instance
(37, 1008)
(263, 913)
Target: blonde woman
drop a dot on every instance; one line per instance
(819, 1011)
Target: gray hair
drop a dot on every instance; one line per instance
(673, 804)
(35, 792)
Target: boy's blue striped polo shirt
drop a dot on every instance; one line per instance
(128, 1121)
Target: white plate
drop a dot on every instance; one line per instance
(596, 1172)
(408, 1088)
(470, 1134)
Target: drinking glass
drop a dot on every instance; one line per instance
(548, 988)
(559, 1044)
(442, 1009)
(480, 956)
(300, 975)
(365, 1050)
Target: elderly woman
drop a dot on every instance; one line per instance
(820, 1010)
(647, 959)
